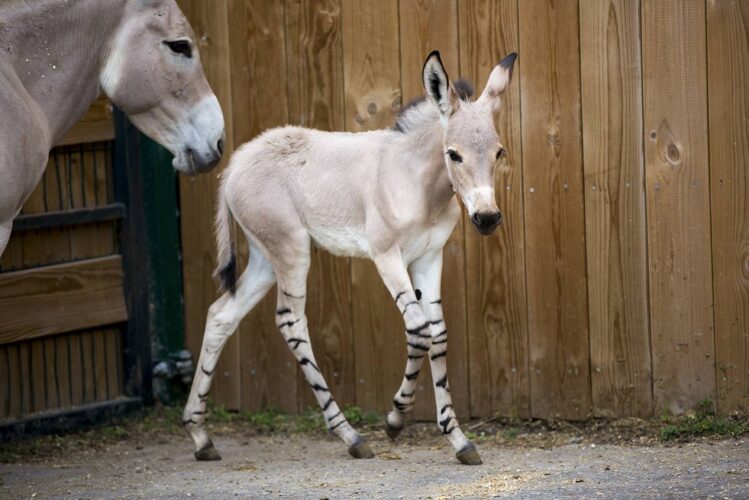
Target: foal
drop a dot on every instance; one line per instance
(387, 195)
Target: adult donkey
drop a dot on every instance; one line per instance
(57, 56)
(387, 195)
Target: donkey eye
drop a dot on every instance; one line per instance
(502, 153)
(180, 47)
(454, 156)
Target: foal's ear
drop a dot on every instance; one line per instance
(437, 85)
(499, 80)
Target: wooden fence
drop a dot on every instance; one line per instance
(618, 283)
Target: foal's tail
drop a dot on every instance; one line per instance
(227, 259)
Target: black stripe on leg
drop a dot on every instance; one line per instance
(415, 331)
(438, 301)
(287, 324)
(407, 394)
(412, 376)
(319, 388)
(405, 307)
(417, 346)
(444, 423)
(331, 429)
(209, 373)
(189, 421)
(298, 341)
(307, 361)
(438, 355)
(397, 297)
(283, 311)
(333, 416)
(203, 397)
(444, 408)
(442, 382)
(441, 334)
(401, 407)
(436, 342)
(293, 296)
(327, 404)
(198, 413)
(416, 356)
(435, 322)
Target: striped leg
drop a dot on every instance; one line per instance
(292, 323)
(224, 316)
(427, 273)
(418, 339)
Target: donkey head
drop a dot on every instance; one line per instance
(471, 143)
(152, 72)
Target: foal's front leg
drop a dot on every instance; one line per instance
(427, 274)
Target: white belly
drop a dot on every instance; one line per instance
(346, 242)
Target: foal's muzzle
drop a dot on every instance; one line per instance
(486, 222)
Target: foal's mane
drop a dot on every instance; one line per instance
(418, 111)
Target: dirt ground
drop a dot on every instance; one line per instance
(519, 462)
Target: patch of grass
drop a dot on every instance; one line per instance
(702, 422)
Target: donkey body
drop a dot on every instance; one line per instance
(386, 195)
(57, 56)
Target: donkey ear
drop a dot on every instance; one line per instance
(499, 80)
(437, 84)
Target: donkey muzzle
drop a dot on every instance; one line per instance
(486, 222)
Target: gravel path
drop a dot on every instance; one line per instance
(311, 466)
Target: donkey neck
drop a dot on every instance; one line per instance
(57, 49)
(422, 138)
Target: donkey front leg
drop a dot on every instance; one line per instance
(418, 339)
(427, 273)
(224, 316)
(292, 323)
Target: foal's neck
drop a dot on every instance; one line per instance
(57, 49)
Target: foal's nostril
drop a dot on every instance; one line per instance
(220, 146)
(476, 219)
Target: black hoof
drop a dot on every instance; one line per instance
(391, 431)
(360, 449)
(207, 453)
(469, 456)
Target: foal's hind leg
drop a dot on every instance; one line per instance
(4, 235)
(426, 273)
(224, 316)
(291, 271)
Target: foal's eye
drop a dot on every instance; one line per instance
(502, 153)
(180, 47)
(454, 156)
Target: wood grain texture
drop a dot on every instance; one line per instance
(678, 210)
(728, 78)
(314, 54)
(615, 208)
(210, 24)
(418, 37)
(495, 265)
(554, 209)
(259, 96)
(373, 97)
(73, 296)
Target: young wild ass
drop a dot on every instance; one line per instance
(387, 195)
(57, 56)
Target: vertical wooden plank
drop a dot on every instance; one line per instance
(51, 385)
(25, 376)
(16, 380)
(554, 209)
(112, 355)
(495, 265)
(61, 365)
(314, 55)
(678, 211)
(259, 96)
(210, 23)
(615, 208)
(372, 82)
(728, 77)
(427, 25)
(100, 365)
(4, 382)
(89, 367)
(77, 373)
(38, 374)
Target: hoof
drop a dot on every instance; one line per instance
(391, 431)
(207, 453)
(360, 449)
(469, 456)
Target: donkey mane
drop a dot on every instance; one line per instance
(418, 112)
